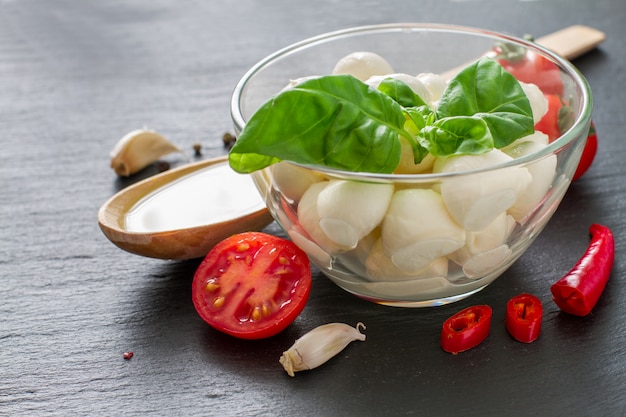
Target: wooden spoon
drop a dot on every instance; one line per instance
(187, 241)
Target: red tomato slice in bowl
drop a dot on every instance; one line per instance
(252, 285)
(551, 123)
(534, 69)
(559, 118)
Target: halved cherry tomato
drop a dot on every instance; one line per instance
(466, 329)
(252, 285)
(524, 314)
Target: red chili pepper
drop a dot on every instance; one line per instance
(524, 313)
(579, 290)
(466, 329)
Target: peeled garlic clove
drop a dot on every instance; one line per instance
(319, 345)
(137, 150)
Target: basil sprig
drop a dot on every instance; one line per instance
(340, 122)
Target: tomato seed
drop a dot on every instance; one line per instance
(242, 247)
(266, 310)
(218, 302)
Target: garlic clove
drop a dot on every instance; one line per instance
(319, 345)
(137, 150)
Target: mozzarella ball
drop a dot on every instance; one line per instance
(380, 267)
(475, 200)
(538, 102)
(435, 84)
(350, 210)
(362, 65)
(292, 180)
(415, 84)
(418, 229)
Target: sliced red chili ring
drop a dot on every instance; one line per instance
(580, 289)
(524, 314)
(466, 329)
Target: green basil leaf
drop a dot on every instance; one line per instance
(338, 121)
(484, 89)
(335, 121)
(457, 135)
(421, 117)
(400, 92)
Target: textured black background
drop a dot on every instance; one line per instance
(75, 76)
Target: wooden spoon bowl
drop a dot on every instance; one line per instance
(183, 243)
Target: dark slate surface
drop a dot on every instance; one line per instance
(75, 76)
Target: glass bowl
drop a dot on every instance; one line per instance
(425, 239)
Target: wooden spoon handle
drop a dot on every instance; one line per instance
(573, 41)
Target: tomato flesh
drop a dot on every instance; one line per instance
(466, 329)
(549, 123)
(545, 74)
(536, 69)
(252, 285)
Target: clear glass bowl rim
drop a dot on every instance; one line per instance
(578, 128)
